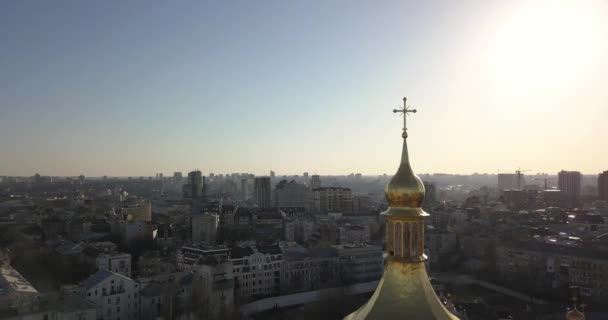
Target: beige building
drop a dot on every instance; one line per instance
(332, 199)
(137, 211)
(257, 271)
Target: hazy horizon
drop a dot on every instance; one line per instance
(124, 89)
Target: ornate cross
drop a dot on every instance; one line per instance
(405, 110)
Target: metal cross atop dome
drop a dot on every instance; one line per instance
(405, 110)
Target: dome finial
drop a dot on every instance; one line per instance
(405, 110)
(405, 190)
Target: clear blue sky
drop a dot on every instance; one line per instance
(139, 87)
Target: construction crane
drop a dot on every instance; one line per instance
(519, 174)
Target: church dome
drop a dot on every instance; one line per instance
(405, 190)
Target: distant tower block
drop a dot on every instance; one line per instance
(315, 182)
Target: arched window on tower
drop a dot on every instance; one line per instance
(407, 247)
(420, 242)
(398, 240)
(390, 235)
(414, 239)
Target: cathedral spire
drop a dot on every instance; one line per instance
(404, 292)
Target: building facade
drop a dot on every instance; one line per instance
(569, 183)
(332, 199)
(263, 191)
(195, 187)
(292, 195)
(359, 262)
(602, 186)
(308, 269)
(116, 262)
(257, 271)
(115, 296)
(205, 228)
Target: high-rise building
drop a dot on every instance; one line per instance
(430, 191)
(291, 195)
(404, 292)
(602, 185)
(315, 182)
(205, 228)
(177, 179)
(262, 191)
(272, 174)
(569, 183)
(81, 179)
(332, 199)
(195, 188)
(509, 181)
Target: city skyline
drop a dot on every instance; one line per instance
(120, 89)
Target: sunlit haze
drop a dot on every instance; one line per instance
(133, 88)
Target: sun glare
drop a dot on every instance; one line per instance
(540, 47)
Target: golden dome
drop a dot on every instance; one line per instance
(574, 314)
(405, 190)
(130, 217)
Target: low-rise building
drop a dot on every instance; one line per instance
(115, 262)
(354, 234)
(308, 269)
(359, 262)
(439, 243)
(187, 256)
(546, 266)
(257, 270)
(115, 296)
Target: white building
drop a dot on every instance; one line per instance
(115, 262)
(360, 262)
(257, 271)
(116, 297)
(354, 234)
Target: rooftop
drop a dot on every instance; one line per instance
(100, 276)
(11, 281)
